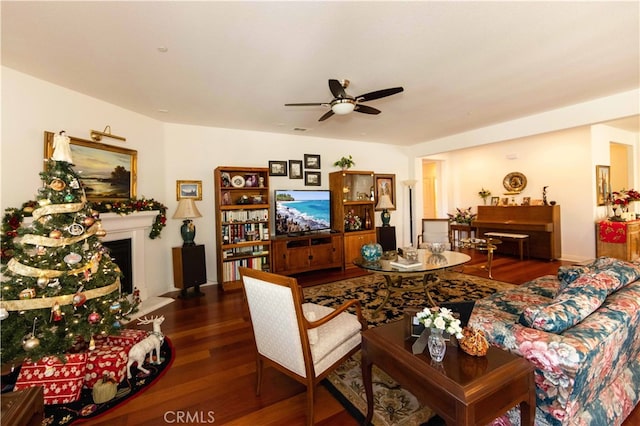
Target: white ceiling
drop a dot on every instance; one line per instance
(463, 65)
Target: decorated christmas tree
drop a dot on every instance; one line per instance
(60, 287)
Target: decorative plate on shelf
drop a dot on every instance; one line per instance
(514, 182)
(237, 181)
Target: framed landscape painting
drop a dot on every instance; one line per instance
(107, 172)
(189, 189)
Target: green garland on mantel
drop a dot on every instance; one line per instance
(13, 218)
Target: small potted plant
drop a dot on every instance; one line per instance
(345, 163)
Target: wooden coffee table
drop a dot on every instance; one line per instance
(462, 389)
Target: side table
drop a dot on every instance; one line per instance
(457, 229)
(189, 268)
(386, 237)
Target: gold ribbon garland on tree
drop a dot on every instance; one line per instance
(29, 271)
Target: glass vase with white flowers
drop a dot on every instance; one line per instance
(439, 320)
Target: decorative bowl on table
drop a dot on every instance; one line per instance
(436, 248)
(371, 252)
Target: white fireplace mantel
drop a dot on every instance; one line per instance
(134, 226)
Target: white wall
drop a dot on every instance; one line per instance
(31, 106)
(193, 152)
(564, 161)
(166, 153)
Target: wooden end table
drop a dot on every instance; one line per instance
(462, 389)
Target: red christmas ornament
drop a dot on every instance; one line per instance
(79, 299)
(94, 318)
(88, 221)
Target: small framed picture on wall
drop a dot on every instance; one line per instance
(311, 161)
(295, 169)
(189, 189)
(312, 179)
(277, 168)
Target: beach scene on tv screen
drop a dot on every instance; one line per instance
(302, 211)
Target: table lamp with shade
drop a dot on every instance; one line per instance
(187, 210)
(385, 204)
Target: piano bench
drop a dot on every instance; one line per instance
(519, 238)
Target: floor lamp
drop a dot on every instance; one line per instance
(410, 183)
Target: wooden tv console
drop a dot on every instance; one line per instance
(292, 255)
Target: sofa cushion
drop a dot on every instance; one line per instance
(625, 272)
(573, 304)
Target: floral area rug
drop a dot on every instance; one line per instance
(370, 289)
(393, 405)
(84, 409)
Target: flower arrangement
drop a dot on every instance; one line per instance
(352, 222)
(441, 319)
(624, 197)
(484, 193)
(462, 216)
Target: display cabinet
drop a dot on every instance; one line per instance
(352, 209)
(242, 222)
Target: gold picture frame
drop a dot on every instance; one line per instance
(97, 163)
(385, 184)
(603, 184)
(189, 189)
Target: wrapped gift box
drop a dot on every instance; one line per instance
(106, 359)
(62, 382)
(127, 338)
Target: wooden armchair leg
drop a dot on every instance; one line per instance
(311, 392)
(259, 367)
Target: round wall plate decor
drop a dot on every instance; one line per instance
(514, 182)
(237, 181)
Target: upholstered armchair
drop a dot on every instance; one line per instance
(434, 231)
(303, 340)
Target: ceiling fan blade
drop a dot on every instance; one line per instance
(336, 89)
(379, 94)
(309, 104)
(326, 115)
(366, 109)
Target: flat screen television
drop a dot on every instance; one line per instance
(300, 211)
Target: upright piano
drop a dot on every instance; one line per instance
(541, 223)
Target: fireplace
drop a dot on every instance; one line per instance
(134, 228)
(120, 252)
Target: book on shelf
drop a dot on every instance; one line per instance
(405, 263)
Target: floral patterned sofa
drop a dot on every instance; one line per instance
(581, 329)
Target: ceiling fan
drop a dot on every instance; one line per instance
(344, 104)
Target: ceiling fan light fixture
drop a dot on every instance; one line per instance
(343, 106)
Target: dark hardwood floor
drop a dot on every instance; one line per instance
(212, 380)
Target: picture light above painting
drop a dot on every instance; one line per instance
(107, 172)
